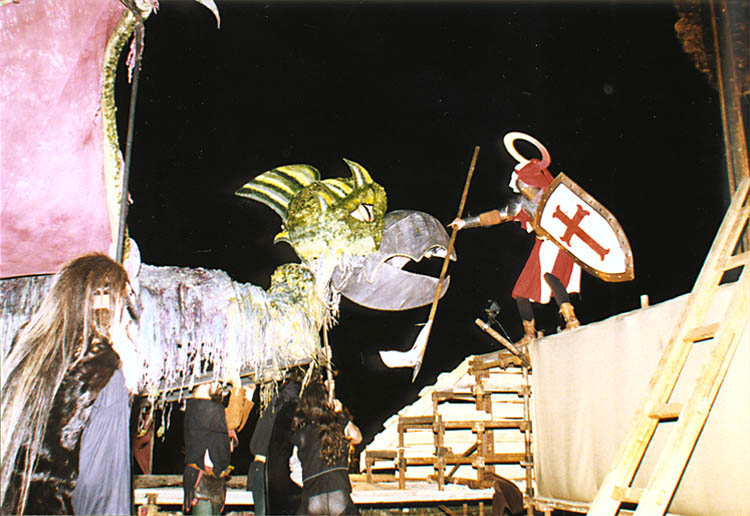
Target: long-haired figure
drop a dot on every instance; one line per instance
(59, 362)
(322, 434)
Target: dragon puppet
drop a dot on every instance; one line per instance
(197, 323)
(194, 324)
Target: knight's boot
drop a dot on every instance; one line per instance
(571, 321)
(529, 333)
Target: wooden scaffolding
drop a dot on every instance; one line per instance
(474, 424)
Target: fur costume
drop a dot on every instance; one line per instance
(58, 363)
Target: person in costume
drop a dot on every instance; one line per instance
(65, 396)
(103, 485)
(268, 476)
(207, 451)
(323, 435)
(549, 271)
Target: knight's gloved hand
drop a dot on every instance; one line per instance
(457, 223)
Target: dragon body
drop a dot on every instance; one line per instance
(199, 324)
(195, 324)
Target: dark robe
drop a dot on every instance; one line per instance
(56, 470)
(271, 438)
(205, 428)
(283, 494)
(103, 485)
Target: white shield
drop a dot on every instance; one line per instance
(585, 229)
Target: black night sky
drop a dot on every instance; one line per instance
(408, 89)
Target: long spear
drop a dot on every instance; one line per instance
(416, 353)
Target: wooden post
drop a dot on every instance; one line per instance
(502, 340)
(329, 372)
(529, 458)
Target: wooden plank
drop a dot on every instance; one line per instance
(450, 412)
(175, 495)
(500, 358)
(415, 492)
(419, 493)
(415, 421)
(627, 494)
(467, 472)
(381, 454)
(520, 354)
(666, 411)
(737, 260)
(450, 459)
(500, 374)
(446, 418)
(702, 332)
(415, 442)
(489, 424)
(151, 481)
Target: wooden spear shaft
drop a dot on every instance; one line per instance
(447, 259)
(329, 372)
(502, 340)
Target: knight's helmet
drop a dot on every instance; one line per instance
(530, 176)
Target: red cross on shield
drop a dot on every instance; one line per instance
(586, 230)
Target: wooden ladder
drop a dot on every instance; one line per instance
(691, 417)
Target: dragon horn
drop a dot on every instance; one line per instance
(359, 174)
(276, 188)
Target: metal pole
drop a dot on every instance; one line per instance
(138, 35)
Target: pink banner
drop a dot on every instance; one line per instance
(53, 203)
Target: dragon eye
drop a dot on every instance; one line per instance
(363, 213)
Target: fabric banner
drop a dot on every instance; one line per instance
(53, 197)
(587, 384)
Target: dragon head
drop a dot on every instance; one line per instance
(339, 215)
(347, 217)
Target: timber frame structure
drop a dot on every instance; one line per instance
(472, 426)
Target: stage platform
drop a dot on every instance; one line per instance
(166, 490)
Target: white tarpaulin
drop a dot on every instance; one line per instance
(587, 384)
